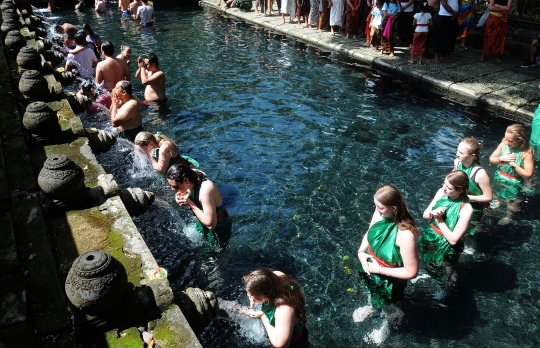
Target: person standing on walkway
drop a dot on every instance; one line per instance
(391, 11)
(405, 23)
(446, 30)
(324, 18)
(287, 8)
(353, 18)
(423, 21)
(496, 27)
(465, 20)
(336, 15)
(314, 13)
(515, 165)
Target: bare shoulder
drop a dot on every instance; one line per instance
(405, 239)
(279, 273)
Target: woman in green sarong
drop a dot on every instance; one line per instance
(161, 151)
(480, 192)
(388, 253)
(449, 214)
(283, 312)
(515, 165)
(203, 197)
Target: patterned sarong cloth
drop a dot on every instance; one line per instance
(418, 47)
(465, 19)
(495, 35)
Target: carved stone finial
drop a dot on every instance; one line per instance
(60, 177)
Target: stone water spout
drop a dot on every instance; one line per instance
(136, 200)
(7, 4)
(100, 141)
(10, 24)
(95, 282)
(34, 86)
(14, 41)
(40, 119)
(29, 59)
(79, 102)
(60, 177)
(199, 307)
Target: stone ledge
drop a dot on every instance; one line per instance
(8, 250)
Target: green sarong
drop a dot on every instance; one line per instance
(535, 134)
(508, 183)
(300, 333)
(382, 245)
(474, 190)
(434, 247)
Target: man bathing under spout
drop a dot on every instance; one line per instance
(125, 111)
(152, 77)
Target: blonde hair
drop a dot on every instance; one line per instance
(473, 146)
(144, 138)
(518, 131)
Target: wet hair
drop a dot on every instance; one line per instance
(178, 172)
(473, 146)
(280, 290)
(152, 58)
(87, 26)
(459, 180)
(59, 28)
(108, 48)
(126, 86)
(87, 86)
(390, 196)
(80, 38)
(518, 131)
(143, 138)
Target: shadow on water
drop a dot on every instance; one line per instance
(457, 315)
(497, 238)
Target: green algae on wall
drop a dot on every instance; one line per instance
(125, 339)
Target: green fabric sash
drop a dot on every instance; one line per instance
(474, 190)
(509, 186)
(433, 246)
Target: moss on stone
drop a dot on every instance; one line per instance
(131, 264)
(126, 339)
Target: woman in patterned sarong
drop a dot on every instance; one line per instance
(353, 17)
(449, 214)
(496, 27)
(515, 165)
(391, 11)
(324, 19)
(388, 254)
(314, 13)
(465, 20)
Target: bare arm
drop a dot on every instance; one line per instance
(482, 179)
(119, 115)
(495, 157)
(207, 216)
(152, 79)
(99, 74)
(407, 4)
(462, 225)
(428, 212)
(528, 165)
(164, 159)
(281, 334)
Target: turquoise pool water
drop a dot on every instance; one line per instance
(298, 140)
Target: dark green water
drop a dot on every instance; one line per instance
(298, 141)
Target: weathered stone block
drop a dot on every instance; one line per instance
(108, 184)
(8, 249)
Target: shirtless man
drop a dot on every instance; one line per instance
(152, 77)
(125, 111)
(67, 28)
(133, 8)
(111, 69)
(123, 5)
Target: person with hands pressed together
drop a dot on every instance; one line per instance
(387, 254)
(283, 311)
(514, 157)
(203, 197)
(125, 111)
(152, 77)
(449, 214)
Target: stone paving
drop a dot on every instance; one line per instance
(504, 88)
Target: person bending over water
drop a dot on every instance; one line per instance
(152, 77)
(515, 165)
(480, 192)
(125, 111)
(203, 197)
(161, 151)
(283, 312)
(387, 254)
(449, 214)
(111, 70)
